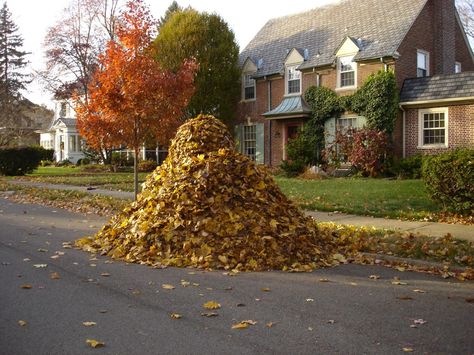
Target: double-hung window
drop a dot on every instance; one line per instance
(346, 68)
(422, 60)
(249, 87)
(433, 127)
(250, 141)
(293, 77)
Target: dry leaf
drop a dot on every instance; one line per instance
(374, 277)
(42, 250)
(26, 286)
(310, 300)
(168, 287)
(324, 280)
(105, 274)
(396, 282)
(175, 316)
(270, 324)
(211, 305)
(266, 289)
(470, 300)
(95, 343)
(240, 325)
(40, 266)
(54, 276)
(419, 291)
(404, 298)
(209, 314)
(419, 321)
(22, 323)
(408, 350)
(249, 322)
(88, 324)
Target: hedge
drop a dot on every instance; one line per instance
(20, 161)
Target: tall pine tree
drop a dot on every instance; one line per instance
(12, 78)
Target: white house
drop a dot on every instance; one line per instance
(62, 135)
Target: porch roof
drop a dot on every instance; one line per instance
(289, 107)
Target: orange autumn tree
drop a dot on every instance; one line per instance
(131, 97)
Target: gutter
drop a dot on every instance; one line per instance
(403, 131)
(423, 102)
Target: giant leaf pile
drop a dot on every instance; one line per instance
(209, 206)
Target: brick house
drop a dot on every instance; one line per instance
(339, 46)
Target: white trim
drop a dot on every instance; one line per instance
(287, 68)
(427, 55)
(422, 102)
(421, 113)
(338, 73)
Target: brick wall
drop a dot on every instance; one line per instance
(444, 45)
(463, 54)
(460, 130)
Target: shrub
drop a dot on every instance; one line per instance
(409, 168)
(146, 166)
(19, 161)
(64, 162)
(46, 163)
(83, 161)
(449, 179)
(292, 168)
(46, 154)
(364, 148)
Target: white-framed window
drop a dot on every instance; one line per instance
(457, 67)
(249, 87)
(433, 128)
(346, 72)
(249, 141)
(72, 143)
(345, 123)
(422, 63)
(293, 80)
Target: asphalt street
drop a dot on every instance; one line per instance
(350, 309)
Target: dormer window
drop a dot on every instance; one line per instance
(346, 72)
(249, 87)
(423, 60)
(293, 80)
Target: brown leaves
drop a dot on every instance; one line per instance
(175, 316)
(54, 276)
(195, 208)
(26, 286)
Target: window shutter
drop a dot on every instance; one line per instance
(238, 137)
(361, 121)
(260, 154)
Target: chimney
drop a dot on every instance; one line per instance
(445, 42)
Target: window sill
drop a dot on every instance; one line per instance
(294, 94)
(248, 100)
(346, 88)
(433, 146)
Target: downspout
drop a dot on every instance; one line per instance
(269, 99)
(403, 131)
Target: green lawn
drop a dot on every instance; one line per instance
(405, 199)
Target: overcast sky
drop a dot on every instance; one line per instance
(245, 18)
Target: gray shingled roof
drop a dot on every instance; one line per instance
(381, 26)
(290, 106)
(68, 122)
(438, 87)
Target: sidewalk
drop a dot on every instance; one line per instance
(432, 229)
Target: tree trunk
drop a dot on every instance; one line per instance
(135, 173)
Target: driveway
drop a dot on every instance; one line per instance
(341, 310)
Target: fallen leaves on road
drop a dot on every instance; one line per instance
(374, 277)
(54, 276)
(176, 316)
(419, 291)
(266, 289)
(211, 305)
(89, 324)
(408, 349)
(40, 266)
(26, 286)
(95, 343)
(168, 287)
(270, 324)
(105, 274)
(404, 298)
(209, 206)
(22, 323)
(240, 325)
(209, 314)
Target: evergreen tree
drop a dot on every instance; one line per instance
(12, 78)
(174, 7)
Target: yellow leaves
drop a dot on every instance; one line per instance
(95, 343)
(175, 316)
(396, 281)
(168, 287)
(22, 323)
(209, 314)
(211, 305)
(408, 350)
(261, 185)
(266, 289)
(244, 324)
(105, 274)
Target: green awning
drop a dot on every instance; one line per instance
(290, 106)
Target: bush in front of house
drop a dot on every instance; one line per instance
(19, 161)
(409, 168)
(449, 179)
(147, 166)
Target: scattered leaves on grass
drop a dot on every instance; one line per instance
(95, 343)
(168, 287)
(89, 324)
(175, 316)
(211, 305)
(22, 323)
